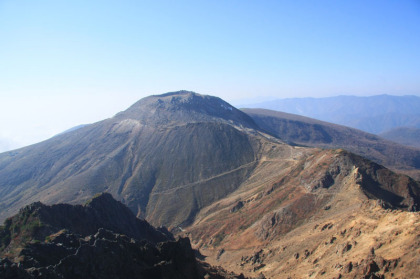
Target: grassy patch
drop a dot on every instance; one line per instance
(218, 239)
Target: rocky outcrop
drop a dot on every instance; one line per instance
(103, 255)
(37, 222)
(101, 239)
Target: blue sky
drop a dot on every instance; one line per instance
(63, 63)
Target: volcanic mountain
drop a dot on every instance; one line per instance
(165, 157)
(203, 168)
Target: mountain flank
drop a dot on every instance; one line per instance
(403, 135)
(334, 215)
(372, 114)
(306, 131)
(165, 157)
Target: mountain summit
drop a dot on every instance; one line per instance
(185, 107)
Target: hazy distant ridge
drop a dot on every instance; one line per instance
(374, 114)
(403, 135)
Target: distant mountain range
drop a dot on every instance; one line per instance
(374, 114)
(251, 189)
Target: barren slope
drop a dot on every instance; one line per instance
(312, 218)
(165, 157)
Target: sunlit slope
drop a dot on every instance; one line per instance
(330, 213)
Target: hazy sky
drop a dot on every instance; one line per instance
(64, 63)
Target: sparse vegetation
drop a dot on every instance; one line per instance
(23, 228)
(218, 238)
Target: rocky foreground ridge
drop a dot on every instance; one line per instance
(101, 239)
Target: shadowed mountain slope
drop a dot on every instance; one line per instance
(101, 239)
(165, 157)
(403, 135)
(310, 132)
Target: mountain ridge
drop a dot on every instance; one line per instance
(305, 218)
(306, 131)
(373, 114)
(404, 135)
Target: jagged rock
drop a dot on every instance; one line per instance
(102, 254)
(237, 206)
(278, 222)
(306, 253)
(256, 258)
(9, 270)
(346, 248)
(220, 253)
(374, 267)
(327, 226)
(258, 267)
(348, 267)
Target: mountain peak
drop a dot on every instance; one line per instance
(179, 92)
(185, 107)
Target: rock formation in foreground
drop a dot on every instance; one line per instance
(101, 239)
